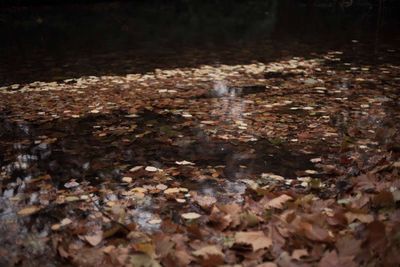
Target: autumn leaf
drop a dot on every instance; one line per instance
(204, 201)
(184, 162)
(94, 239)
(364, 218)
(256, 239)
(297, 254)
(208, 250)
(28, 211)
(278, 202)
(314, 232)
(143, 260)
(190, 215)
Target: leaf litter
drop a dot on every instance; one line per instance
(291, 163)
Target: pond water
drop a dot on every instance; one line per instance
(53, 42)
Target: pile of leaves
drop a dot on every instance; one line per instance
(156, 190)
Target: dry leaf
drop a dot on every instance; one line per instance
(184, 162)
(151, 169)
(298, 253)
(95, 239)
(136, 168)
(29, 211)
(127, 179)
(204, 201)
(278, 202)
(191, 216)
(208, 250)
(172, 190)
(364, 218)
(256, 239)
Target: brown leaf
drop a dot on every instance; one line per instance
(278, 202)
(204, 201)
(208, 250)
(29, 211)
(267, 264)
(348, 246)
(364, 218)
(183, 257)
(219, 219)
(95, 239)
(298, 253)
(314, 232)
(330, 259)
(256, 239)
(384, 199)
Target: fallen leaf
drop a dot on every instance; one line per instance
(278, 202)
(28, 211)
(208, 250)
(155, 221)
(161, 187)
(172, 190)
(364, 218)
(71, 184)
(136, 168)
(151, 169)
(204, 201)
(127, 179)
(190, 216)
(256, 239)
(298, 253)
(184, 162)
(143, 260)
(95, 239)
(314, 232)
(330, 259)
(267, 264)
(271, 176)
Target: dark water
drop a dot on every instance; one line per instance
(53, 42)
(75, 148)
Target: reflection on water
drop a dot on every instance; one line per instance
(76, 149)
